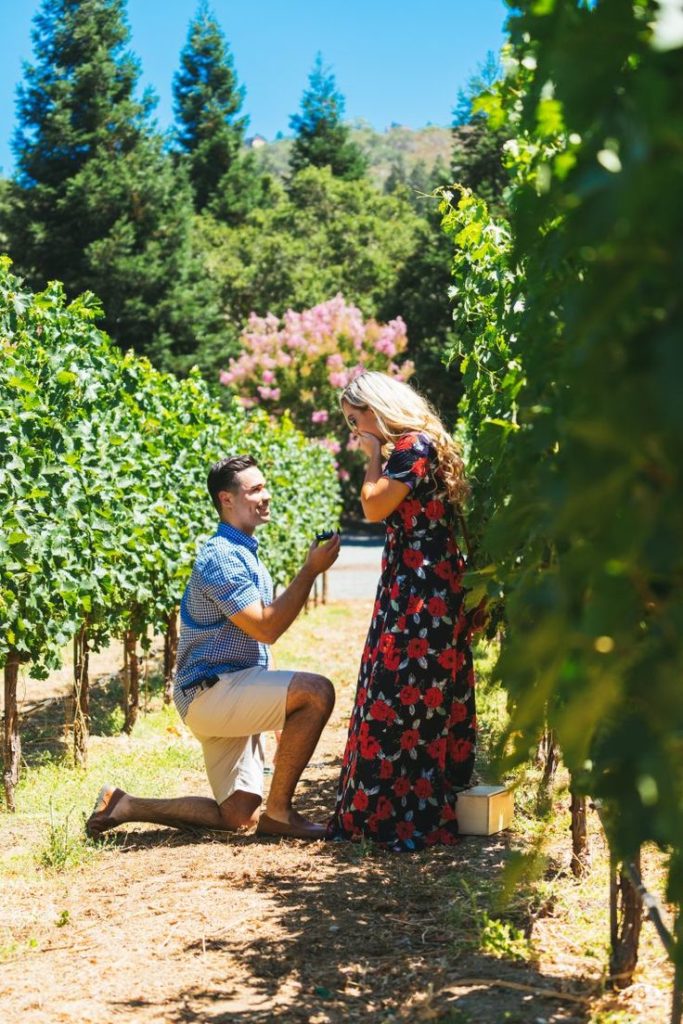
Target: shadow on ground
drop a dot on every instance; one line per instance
(370, 936)
(46, 724)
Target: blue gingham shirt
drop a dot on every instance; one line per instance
(226, 578)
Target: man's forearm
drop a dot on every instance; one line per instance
(278, 616)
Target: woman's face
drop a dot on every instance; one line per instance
(361, 421)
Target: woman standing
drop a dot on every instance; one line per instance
(412, 732)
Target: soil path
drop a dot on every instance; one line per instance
(170, 927)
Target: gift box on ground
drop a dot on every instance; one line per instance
(484, 810)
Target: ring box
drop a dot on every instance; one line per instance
(484, 810)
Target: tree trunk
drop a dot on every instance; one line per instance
(11, 750)
(170, 653)
(581, 857)
(548, 758)
(626, 918)
(324, 588)
(677, 998)
(81, 719)
(131, 690)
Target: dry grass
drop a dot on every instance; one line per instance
(163, 926)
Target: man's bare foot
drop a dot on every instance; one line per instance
(103, 817)
(289, 824)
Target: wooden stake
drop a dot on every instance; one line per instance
(626, 918)
(170, 654)
(581, 857)
(11, 750)
(81, 708)
(132, 687)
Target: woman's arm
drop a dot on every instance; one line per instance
(379, 495)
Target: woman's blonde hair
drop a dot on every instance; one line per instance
(400, 409)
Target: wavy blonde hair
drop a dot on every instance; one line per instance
(399, 410)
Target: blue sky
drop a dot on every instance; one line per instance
(394, 60)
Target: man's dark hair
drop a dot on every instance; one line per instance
(223, 475)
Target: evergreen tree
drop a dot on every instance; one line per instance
(477, 156)
(322, 139)
(211, 132)
(487, 74)
(96, 202)
(418, 295)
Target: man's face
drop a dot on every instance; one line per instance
(248, 506)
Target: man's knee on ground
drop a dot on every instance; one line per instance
(310, 689)
(240, 809)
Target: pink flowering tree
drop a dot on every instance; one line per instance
(300, 363)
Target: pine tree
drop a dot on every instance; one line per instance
(322, 140)
(477, 155)
(96, 202)
(210, 131)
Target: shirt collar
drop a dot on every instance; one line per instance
(236, 536)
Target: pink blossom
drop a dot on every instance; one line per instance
(329, 443)
(268, 376)
(226, 378)
(320, 416)
(344, 474)
(268, 394)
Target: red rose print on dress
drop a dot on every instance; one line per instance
(458, 714)
(437, 750)
(423, 789)
(385, 808)
(404, 829)
(437, 607)
(434, 509)
(402, 786)
(348, 822)
(369, 748)
(413, 558)
(409, 739)
(360, 800)
(448, 814)
(412, 728)
(409, 695)
(459, 750)
(386, 642)
(392, 660)
(448, 658)
(433, 697)
(407, 441)
(417, 647)
(381, 711)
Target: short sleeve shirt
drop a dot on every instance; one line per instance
(226, 578)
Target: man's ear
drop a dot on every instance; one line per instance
(225, 498)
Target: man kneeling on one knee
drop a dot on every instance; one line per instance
(225, 689)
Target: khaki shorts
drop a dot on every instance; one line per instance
(228, 720)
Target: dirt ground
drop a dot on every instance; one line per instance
(170, 927)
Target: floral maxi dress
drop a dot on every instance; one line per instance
(411, 740)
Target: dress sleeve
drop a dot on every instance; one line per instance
(409, 461)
